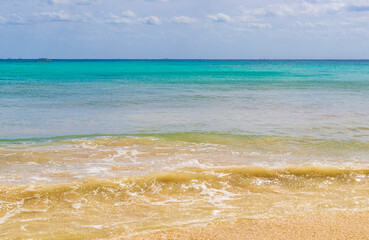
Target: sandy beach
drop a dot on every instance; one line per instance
(334, 225)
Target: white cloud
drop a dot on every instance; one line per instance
(360, 20)
(128, 14)
(152, 20)
(13, 19)
(247, 18)
(296, 8)
(55, 2)
(3, 20)
(260, 25)
(183, 20)
(220, 17)
(126, 17)
(78, 2)
(258, 16)
(88, 2)
(60, 16)
(334, 24)
(129, 17)
(119, 19)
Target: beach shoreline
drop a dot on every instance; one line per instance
(168, 149)
(323, 225)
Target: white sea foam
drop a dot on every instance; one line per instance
(40, 179)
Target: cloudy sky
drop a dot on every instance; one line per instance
(184, 28)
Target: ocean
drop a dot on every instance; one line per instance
(103, 148)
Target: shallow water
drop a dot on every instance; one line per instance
(321, 99)
(92, 149)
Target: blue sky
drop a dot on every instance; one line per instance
(184, 28)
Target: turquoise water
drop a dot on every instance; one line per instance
(322, 99)
(99, 149)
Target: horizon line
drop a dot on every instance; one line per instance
(200, 59)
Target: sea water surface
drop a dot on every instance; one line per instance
(103, 148)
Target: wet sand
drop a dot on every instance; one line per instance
(334, 225)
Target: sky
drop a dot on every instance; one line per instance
(207, 29)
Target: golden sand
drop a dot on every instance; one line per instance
(335, 225)
(101, 207)
(105, 187)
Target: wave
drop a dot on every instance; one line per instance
(168, 199)
(67, 159)
(198, 137)
(234, 176)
